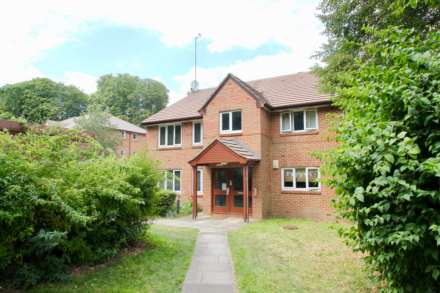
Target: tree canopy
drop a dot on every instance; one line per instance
(345, 21)
(130, 97)
(383, 63)
(40, 99)
(97, 122)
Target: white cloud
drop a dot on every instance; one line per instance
(30, 28)
(83, 81)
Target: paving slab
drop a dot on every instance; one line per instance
(211, 269)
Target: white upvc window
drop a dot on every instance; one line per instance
(296, 121)
(199, 181)
(123, 134)
(134, 135)
(172, 180)
(197, 137)
(170, 135)
(231, 122)
(306, 178)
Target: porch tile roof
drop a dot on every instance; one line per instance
(292, 90)
(240, 148)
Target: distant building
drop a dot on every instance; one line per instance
(134, 138)
(12, 127)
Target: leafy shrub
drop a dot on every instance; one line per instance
(165, 202)
(62, 202)
(386, 170)
(186, 208)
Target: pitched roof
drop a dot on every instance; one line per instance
(238, 152)
(114, 122)
(240, 148)
(292, 90)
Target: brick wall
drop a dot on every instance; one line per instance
(131, 145)
(295, 150)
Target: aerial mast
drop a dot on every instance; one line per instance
(195, 83)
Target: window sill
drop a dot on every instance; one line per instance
(169, 148)
(231, 134)
(300, 133)
(314, 192)
(197, 146)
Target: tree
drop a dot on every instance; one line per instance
(97, 122)
(130, 97)
(345, 20)
(40, 99)
(386, 170)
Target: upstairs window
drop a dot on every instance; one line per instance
(170, 135)
(299, 121)
(230, 122)
(300, 178)
(135, 136)
(172, 180)
(123, 134)
(197, 133)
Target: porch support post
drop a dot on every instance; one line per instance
(245, 194)
(194, 195)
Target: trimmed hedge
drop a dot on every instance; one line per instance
(62, 202)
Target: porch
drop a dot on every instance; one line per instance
(231, 165)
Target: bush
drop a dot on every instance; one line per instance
(386, 170)
(62, 202)
(165, 202)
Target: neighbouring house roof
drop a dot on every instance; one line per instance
(114, 122)
(294, 90)
(11, 126)
(225, 151)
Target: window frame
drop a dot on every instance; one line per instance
(166, 135)
(294, 188)
(229, 130)
(291, 121)
(124, 134)
(165, 179)
(200, 192)
(134, 135)
(201, 132)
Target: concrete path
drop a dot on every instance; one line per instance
(211, 269)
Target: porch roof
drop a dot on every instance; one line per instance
(225, 151)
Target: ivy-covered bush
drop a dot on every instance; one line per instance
(62, 202)
(386, 170)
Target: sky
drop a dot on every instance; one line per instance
(77, 41)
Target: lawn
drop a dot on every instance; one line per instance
(161, 267)
(311, 258)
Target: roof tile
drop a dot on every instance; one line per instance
(277, 92)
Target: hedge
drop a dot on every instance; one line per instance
(62, 202)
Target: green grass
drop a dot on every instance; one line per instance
(160, 268)
(269, 258)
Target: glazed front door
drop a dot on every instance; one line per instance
(220, 190)
(228, 190)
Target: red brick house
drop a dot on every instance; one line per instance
(245, 147)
